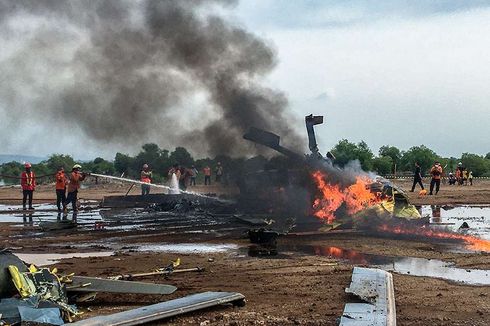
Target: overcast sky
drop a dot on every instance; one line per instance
(401, 73)
(388, 72)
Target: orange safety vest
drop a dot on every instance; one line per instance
(146, 176)
(28, 180)
(207, 171)
(60, 181)
(75, 179)
(436, 172)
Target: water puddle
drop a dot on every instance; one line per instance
(47, 219)
(187, 248)
(403, 265)
(53, 258)
(473, 220)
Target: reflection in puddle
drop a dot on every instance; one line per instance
(404, 265)
(188, 247)
(53, 258)
(476, 219)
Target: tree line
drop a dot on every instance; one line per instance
(388, 160)
(391, 159)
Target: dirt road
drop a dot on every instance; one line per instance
(297, 287)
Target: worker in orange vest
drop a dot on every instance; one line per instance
(61, 182)
(146, 178)
(436, 172)
(74, 184)
(28, 184)
(207, 175)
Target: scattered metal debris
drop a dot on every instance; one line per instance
(375, 287)
(95, 284)
(165, 309)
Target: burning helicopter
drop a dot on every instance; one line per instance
(314, 186)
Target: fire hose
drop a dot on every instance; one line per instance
(148, 184)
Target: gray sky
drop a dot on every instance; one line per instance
(402, 73)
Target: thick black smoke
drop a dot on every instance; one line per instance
(119, 70)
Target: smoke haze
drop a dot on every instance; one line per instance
(122, 72)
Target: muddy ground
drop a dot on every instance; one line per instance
(295, 287)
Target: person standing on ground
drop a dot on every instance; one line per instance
(461, 168)
(458, 176)
(436, 172)
(175, 169)
(145, 177)
(470, 178)
(185, 175)
(451, 179)
(194, 173)
(207, 175)
(28, 184)
(219, 172)
(417, 177)
(61, 182)
(74, 184)
(465, 177)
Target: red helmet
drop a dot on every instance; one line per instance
(27, 165)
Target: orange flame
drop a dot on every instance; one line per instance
(471, 242)
(356, 197)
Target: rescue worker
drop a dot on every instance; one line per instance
(174, 179)
(185, 175)
(146, 176)
(470, 178)
(175, 169)
(436, 172)
(417, 177)
(465, 177)
(458, 176)
(28, 184)
(193, 171)
(74, 184)
(219, 172)
(451, 179)
(461, 168)
(207, 175)
(61, 182)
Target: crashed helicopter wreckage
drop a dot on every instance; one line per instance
(335, 195)
(41, 295)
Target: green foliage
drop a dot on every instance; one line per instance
(394, 153)
(425, 156)
(11, 169)
(478, 164)
(57, 160)
(181, 156)
(100, 166)
(160, 161)
(123, 163)
(346, 151)
(383, 165)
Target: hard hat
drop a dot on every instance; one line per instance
(460, 163)
(145, 166)
(27, 165)
(77, 166)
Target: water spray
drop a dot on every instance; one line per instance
(170, 189)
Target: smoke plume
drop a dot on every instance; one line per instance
(123, 71)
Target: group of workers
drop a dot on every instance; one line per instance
(70, 183)
(185, 176)
(462, 177)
